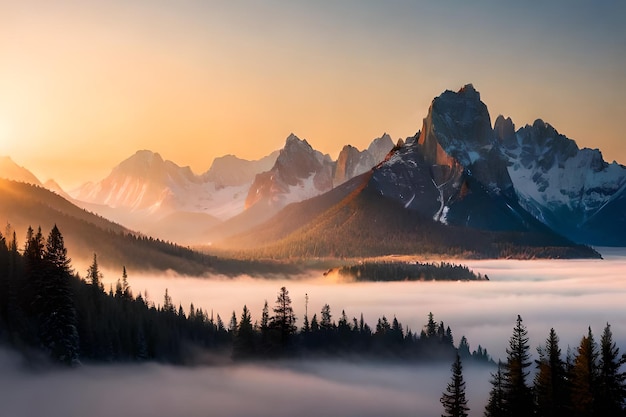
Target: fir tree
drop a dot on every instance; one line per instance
(94, 276)
(496, 405)
(611, 390)
(284, 319)
(58, 330)
(453, 399)
(518, 395)
(583, 377)
(550, 380)
(244, 342)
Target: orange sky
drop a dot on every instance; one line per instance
(83, 85)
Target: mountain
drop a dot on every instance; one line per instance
(300, 172)
(572, 190)
(351, 162)
(230, 170)
(160, 198)
(11, 171)
(25, 205)
(445, 191)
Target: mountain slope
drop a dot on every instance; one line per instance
(11, 171)
(26, 205)
(445, 191)
(572, 190)
(300, 172)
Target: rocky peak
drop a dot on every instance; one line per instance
(380, 147)
(297, 163)
(504, 130)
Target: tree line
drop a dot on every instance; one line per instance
(409, 271)
(589, 382)
(47, 307)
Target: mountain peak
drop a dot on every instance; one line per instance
(468, 89)
(12, 171)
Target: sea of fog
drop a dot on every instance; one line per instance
(569, 295)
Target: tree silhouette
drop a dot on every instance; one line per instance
(496, 405)
(518, 396)
(550, 381)
(583, 377)
(453, 399)
(611, 381)
(284, 320)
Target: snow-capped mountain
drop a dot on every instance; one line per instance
(567, 188)
(351, 162)
(229, 170)
(300, 172)
(453, 170)
(158, 197)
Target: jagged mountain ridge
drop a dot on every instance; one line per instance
(447, 184)
(572, 190)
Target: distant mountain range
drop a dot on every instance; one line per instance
(460, 185)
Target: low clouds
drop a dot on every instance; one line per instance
(277, 389)
(566, 295)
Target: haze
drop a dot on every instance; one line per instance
(86, 84)
(566, 295)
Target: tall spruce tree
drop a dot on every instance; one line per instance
(518, 395)
(611, 391)
(496, 405)
(550, 384)
(57, 313)
(584, 378)
(453, 399)
(284, 320)
(244, 341)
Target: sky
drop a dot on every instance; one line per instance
(85, 84)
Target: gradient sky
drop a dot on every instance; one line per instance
(83, 85)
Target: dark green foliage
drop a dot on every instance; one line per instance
(584, 377)
(404, 271)
(46, 306)
(518, 395)
(283, 322)
(550, 384)
(245, 340)
(496, 405)
(611, 389)
(453, 399)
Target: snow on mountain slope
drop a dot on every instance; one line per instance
(453, 170)
(230, 170)
(299, 172)
(351, 162)
(562, 185)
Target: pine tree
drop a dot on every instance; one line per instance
(244, 342)
(518, 395)
(58, 331)
(583, 377)
(284, 319)
(431, 326)
(611, 389)
(550, 381)
(94, 276)
(496, 406)
(464, 348)
(453, 399)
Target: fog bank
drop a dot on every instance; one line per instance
(276, 389)
(568, 295)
